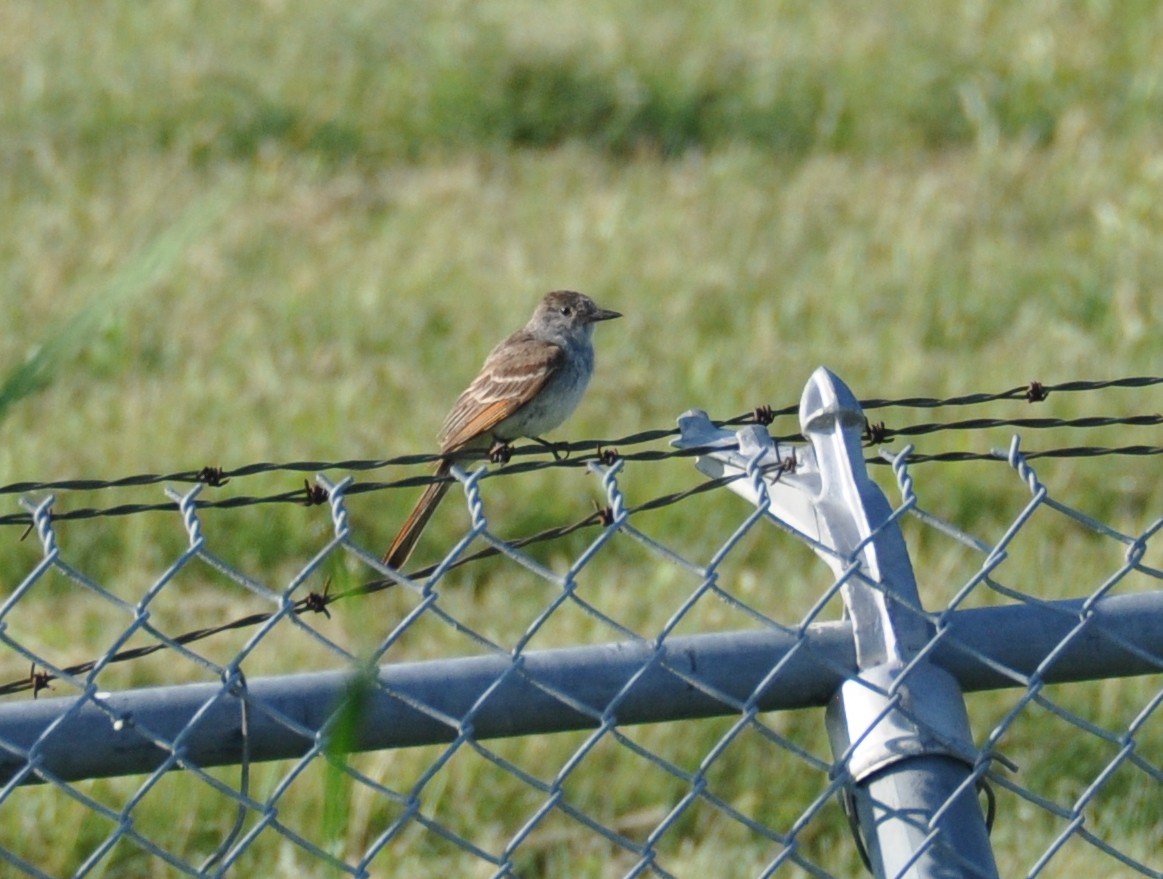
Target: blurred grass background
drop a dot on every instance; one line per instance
(291, 230)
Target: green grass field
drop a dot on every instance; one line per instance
(233, 233)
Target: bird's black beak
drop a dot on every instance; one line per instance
(605, 314)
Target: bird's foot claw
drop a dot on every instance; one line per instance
(500, 452)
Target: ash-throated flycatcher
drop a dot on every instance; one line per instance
(529, 384)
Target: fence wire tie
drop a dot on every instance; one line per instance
(848, 804)
(990, 756)
(756, 444)
(617, 507)
(982, 767)
(1017, 460)
(472, 492)
(188, 507)
(1138, 547)
(337, 498)
(904, 479)
(42, 522)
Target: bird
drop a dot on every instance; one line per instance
(528, 385)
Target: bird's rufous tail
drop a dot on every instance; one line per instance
(401, 548)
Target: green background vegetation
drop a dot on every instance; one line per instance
(280, 231)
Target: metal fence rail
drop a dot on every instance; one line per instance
(921, 777)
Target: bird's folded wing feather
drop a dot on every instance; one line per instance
(514, 373)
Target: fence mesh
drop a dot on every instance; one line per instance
(1074, 779)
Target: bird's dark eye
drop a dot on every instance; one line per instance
(566, 310)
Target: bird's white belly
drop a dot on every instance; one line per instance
(548, 409)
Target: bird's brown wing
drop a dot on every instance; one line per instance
(514, 373)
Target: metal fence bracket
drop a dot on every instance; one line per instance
(899, 728)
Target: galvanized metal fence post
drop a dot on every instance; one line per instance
(899, 727)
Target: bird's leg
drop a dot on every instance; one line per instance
(500, 451)
(554, 448)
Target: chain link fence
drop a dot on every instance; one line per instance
(617, 705)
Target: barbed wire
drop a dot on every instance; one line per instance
(311, 496)
(216, 477)
(1026, 424)
(1032, 392)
